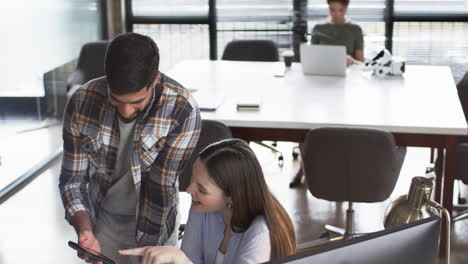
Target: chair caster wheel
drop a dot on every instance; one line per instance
(181, 231)
(281, 160)
(295, 155)
(461, 200)
(295, 183)
(429, 169)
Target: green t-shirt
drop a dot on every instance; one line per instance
(348, 34)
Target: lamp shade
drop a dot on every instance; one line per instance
(418, 205)
(412, 207)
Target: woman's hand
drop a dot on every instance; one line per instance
(349, 60)
(157, 255)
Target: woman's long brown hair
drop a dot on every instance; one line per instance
(233, 166)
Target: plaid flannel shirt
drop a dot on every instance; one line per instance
(164, 139)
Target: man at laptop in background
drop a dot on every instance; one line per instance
(340, 31)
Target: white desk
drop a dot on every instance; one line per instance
(420, 108)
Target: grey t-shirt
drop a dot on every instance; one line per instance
(347, 34)
(116, 222)
(121, 198)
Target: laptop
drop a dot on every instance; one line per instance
(323, 59)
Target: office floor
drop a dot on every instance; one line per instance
(24, 144)
(310, 214)
(32, 228)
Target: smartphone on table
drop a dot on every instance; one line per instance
(90, 253)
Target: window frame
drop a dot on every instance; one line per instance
(390, 17)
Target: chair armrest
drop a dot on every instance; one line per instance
(400, 154)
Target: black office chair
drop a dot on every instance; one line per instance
(251, 50)
(90, 65)
(211, 131)
(353, 165)
(254, 50)
(461, 151)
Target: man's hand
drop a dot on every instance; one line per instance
(87, 239)
(82, 224)
(157, 255)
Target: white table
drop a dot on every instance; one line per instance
(420, 108)
(21, 86)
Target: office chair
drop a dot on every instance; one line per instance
(251, 50)
(254, 50)
(461, 151)
(90, 65)
(211, 131)
(353, 165)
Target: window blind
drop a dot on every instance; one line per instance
(441, 43)
(358, 10)
(254, 10)
(175, 8)
(177, 42)
(431, 7)
(435, 43)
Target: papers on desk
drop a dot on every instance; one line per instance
(208, 101)
(279, 70)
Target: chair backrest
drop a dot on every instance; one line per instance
(462, 147)
(350, 164)
(90, 65)
(462, 88)
(462, 166)
(211, 131)
(251, 50)
(91, 60)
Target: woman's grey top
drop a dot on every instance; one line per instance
(204, 233)
(348, 34)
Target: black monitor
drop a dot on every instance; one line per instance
(414, 243)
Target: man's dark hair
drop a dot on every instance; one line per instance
(132, 62)
(343, 2)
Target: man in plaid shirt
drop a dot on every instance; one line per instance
(127, 136)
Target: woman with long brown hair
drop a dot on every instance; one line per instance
(234, 218)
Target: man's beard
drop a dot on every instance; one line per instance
(137, 114)
(129, 120)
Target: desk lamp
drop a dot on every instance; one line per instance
(417, 205)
